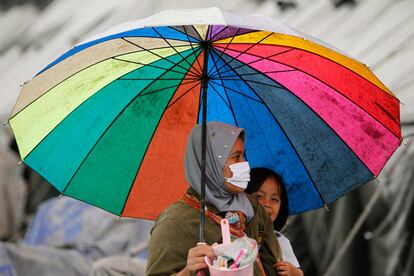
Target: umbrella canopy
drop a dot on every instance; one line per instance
(107, 122)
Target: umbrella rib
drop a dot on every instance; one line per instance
(328, 126)
(217, 92)
(129, 79)
(333, 88)
(191, 44)
(254, 61)
(147, 64)
(287, 137)
(260, 73)
(89, 66)
(239, 76)
(257, 82)
(227, 45)
(321, 56)
(109, 126)
(237, 92)
(148, 145)
(251, 46)
(316, 114)
(229, 105)
(178, 30)
(249, 32)
(171, 46)
(386, 112)
(164, 88)
(184, 94)
(198, 33)
(163, 58)
(222, 30)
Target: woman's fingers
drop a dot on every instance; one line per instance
(197, 266)
(202, 250)
(196, 260)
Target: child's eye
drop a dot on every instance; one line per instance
(259, 197)
(275, 200)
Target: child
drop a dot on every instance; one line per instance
(269, 188)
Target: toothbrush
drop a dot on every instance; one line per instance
(241, 253)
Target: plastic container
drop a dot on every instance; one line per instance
(246, 270)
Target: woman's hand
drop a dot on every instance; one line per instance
(195, 259)
(286, 268)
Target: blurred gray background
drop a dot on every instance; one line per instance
(368, 232)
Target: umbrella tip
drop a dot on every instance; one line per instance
(119, 218)
(60, 196)
(326, 208)
(5, 123)
(20, 162)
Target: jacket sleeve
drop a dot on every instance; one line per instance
(168, 248)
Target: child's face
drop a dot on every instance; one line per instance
(269, 197)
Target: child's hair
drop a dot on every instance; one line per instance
(257, 178)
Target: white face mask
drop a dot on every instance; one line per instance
(241, 174)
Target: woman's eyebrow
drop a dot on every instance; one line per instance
(237, 152)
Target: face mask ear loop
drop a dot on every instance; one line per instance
(227, 178)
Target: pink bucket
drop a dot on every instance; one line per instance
(246, 270)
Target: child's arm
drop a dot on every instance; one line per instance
(287, 269)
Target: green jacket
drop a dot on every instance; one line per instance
(177, 229)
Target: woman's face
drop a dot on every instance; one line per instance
(269, 197)
(236, 156)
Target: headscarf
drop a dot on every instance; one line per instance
(220, 140)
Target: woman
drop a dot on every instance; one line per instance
(271, 193)
(172, 246)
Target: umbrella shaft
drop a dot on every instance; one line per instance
(204, 86)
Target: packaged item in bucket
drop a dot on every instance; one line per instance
(236, 258)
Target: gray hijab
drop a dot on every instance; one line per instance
(220, 140)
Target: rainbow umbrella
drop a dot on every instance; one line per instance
(107, 122)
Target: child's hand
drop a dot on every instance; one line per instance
(286, 268)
